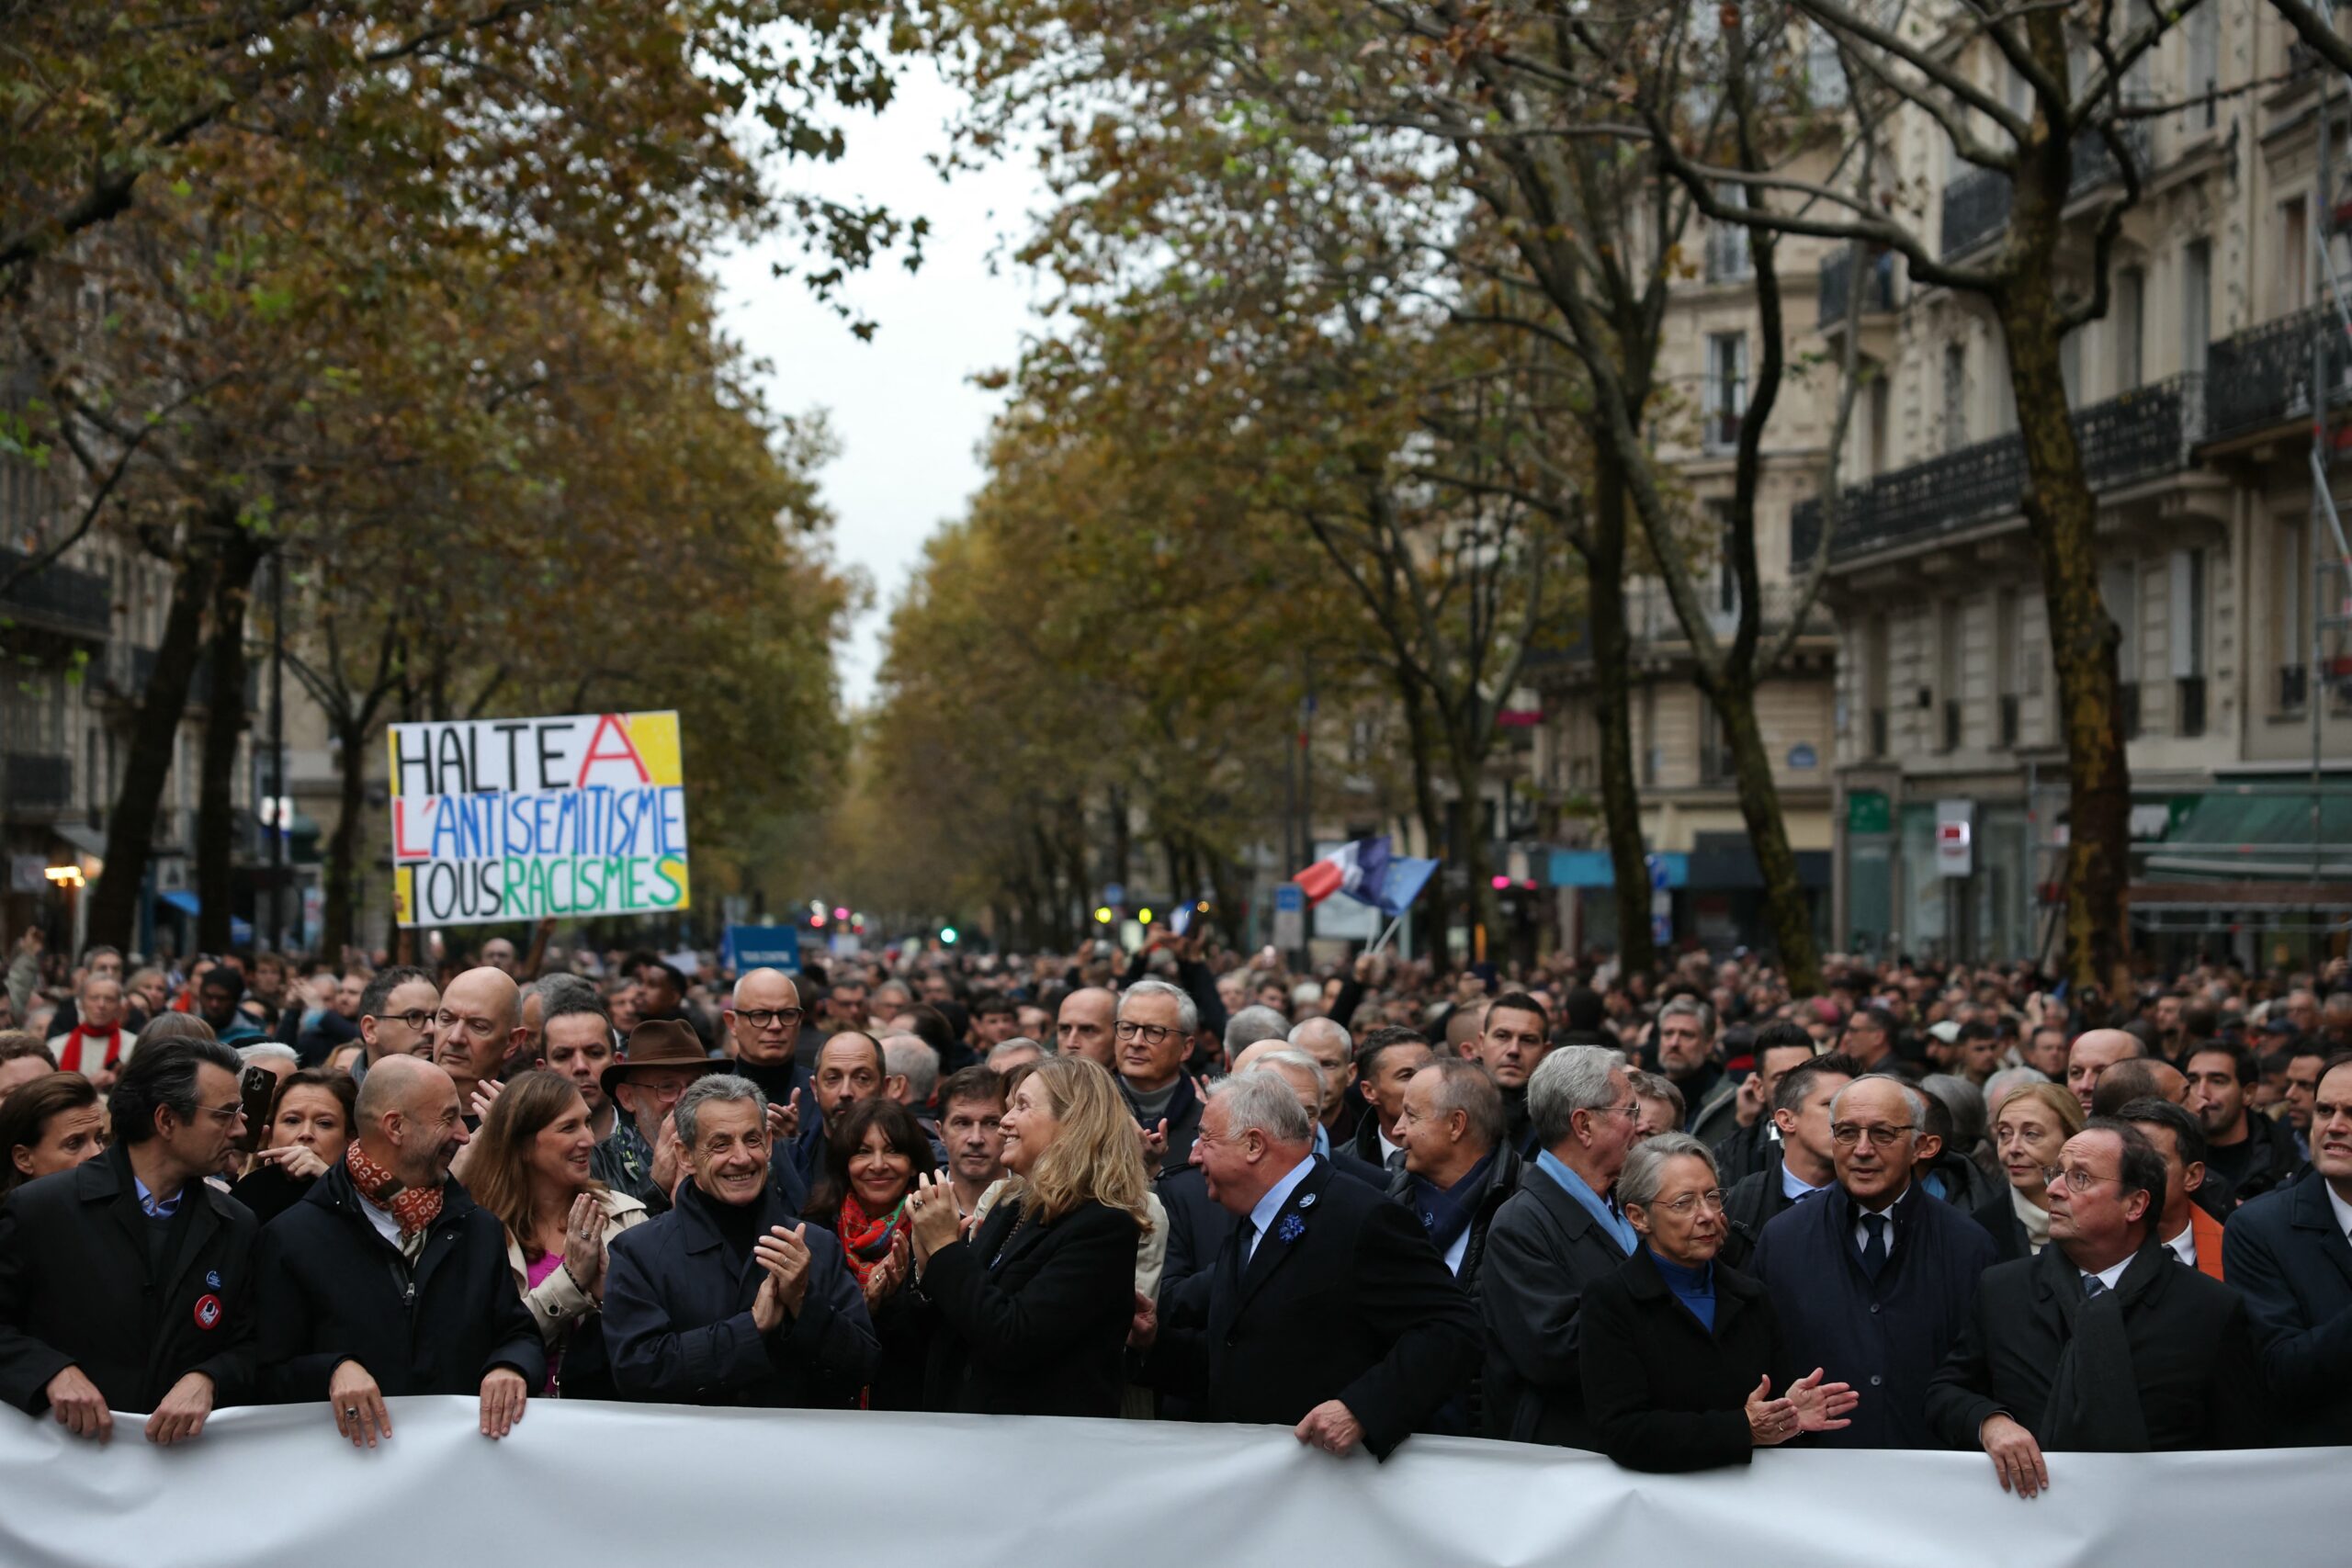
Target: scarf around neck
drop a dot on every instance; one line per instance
(2034, 1218)
(69, 1060)
(865, 1240)
(1446, 1212)
(414, 1207)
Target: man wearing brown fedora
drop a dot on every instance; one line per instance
(642, 1157)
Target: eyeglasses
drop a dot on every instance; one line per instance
(1713, 1198)
(2077, 1180)
(1631, 1111)
(418, 1019)
(771, 1018)
(227, 1115)
(1847, 1135)
(1149, 1033)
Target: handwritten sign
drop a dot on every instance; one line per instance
(517, 818)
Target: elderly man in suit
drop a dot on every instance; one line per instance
(2103, 1343)
(2290, 1252)
(1555, 1236)
(1327, 1310)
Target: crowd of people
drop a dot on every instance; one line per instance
(1674, 1217)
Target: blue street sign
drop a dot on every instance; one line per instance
(764, 947)
(1289, 896)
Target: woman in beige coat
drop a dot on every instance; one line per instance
(531, 1168)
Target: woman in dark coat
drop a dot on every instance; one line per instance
(1679, 1353)
(1030, 1314)
(872, 1161)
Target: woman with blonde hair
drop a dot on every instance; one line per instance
(1032, 1309)
(2030, 1124)
(531, 1169)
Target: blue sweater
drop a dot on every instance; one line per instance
(1885, 1336)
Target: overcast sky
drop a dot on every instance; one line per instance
(903, 406)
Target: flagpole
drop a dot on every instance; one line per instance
(1377, 946)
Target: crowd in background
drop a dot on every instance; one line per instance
(1675, 1217)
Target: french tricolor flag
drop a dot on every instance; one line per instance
(1365, 871)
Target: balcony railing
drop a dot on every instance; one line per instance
(2263, 376)
(1836, 286)
(62, 598)
(38, 782)
(2143, 433)
(1976, 205)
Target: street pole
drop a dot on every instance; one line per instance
(281, 808)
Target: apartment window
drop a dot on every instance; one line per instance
(1955, 395)
(2070, 367)
(1825, 76)
(2129, 316)
(2186, 640)
(1882, 418)
(2290, 616)
(2196, 304)
(2294, 255)
(2118, 586)
(1948, 621)
(1726, 395)
(1728, 257)
(1874, 682)
(2204, 62)
(2008, 654)
(2137, 88)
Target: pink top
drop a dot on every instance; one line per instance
(535, 1272)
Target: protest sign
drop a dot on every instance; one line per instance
(517, 818)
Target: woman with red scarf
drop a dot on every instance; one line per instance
(873, 1160)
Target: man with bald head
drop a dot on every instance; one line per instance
(1872, 1278)
(1084, 1027)
(764, 1035)
(480, 1021)
(1306, 1075)
(351, 1312)
(2092, 1053)
(1335, 1051)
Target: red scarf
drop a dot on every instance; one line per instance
(414, 1207)
(69, 1060)
(867, 1241)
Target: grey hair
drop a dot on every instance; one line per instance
(1694, 1007)
(1963, 1100)
(1644, 1170)
(1465, 1085)
(1188, 1011)
(1006, 1048)
(1251, 1025)
(2006, 1082)
(268, 1051)
(1287, 1058)
(1569, 1079)
(1263, 1102)
(563, 987)
(724, 1087)
(907, 1056)
(1347, 1041)
(1911, 1096)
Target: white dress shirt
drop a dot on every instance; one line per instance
(1261, 1215)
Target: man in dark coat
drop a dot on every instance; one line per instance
(1458, 1172)
(1801, 1163)
(1873, 1279)
(127, 1282)
(1327, 1310)
(2290, 1252)
(2103, 1343)
(387, 1278)
(1742, 1153)
(1552, 1237)
(2245, 1147)
(1151, 1042)
(728, 1298)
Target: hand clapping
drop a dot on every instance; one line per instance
(931, 1220)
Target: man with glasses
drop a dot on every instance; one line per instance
(127, 1282)
(1560, 1231)
(1871, 1281)
(1153, 1038)
(396, 1017)
(2102, 1343)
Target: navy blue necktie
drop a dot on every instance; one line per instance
(1874, 1246)
(2093, 1285)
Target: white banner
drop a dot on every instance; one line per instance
(578, 1483)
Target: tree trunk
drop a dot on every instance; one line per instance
(224, 722)
(147, 765)
(342, 871)
(1785, 913)
(2062, 516)
(1620, 806)
(1468, 766)
(1434, 920)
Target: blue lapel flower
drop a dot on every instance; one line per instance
(1291, 1229)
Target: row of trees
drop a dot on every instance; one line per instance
(1391, 279)
(405, 303)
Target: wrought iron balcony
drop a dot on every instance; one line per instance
(2143, 433)
(2262, 377)
(38, 781)
(62, 598)
(1976, 205)
(1836, 288)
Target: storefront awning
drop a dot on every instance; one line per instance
(2231, 837)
